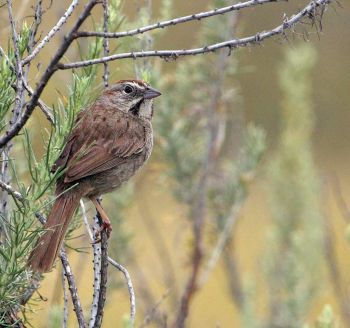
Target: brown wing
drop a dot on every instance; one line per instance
(62, 160)
(105, 146)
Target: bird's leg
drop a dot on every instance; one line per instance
(106, 223)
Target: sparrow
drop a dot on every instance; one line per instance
(110, 141)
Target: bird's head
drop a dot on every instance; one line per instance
(132, 96)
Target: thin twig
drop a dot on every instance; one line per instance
(176, 21)
(117, 266)
(105, 42)
(97, 277)
(102, 291)
(72, 288)
(38, 12)
(50, 70)
(65, 302)
(230, 44)
(53, 31)
(126, 274)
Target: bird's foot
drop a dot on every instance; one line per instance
(106, 227)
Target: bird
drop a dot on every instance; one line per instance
(111, 139)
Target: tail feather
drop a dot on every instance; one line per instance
(47, 247)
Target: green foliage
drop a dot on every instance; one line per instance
(293, 259)
(14, 278)
(6, 91)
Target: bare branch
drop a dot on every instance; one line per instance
(72, 288)
(53, 31)
(125, 272)
(103, 276)
(38, 12)
(65, 302)
(11, 191)
(97, 277)
(178, 20)
(47, 111)
(105, 42)
(118, 266)
(50, 70)
(308, 12)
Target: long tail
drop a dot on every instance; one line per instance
(47, 247)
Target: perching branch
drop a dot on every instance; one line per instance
(309, 12)
(103, 273)
(176, 21)
(97, 268)
(65, 302)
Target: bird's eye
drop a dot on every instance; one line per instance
(128, 89)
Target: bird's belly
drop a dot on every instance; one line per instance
(113, 178)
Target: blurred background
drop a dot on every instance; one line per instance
(247, 190)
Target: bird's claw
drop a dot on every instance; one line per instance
(104, 227)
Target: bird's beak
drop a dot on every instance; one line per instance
(151, 93)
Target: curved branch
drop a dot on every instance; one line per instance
(308, 11)
(126, 274)
(176, 21)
